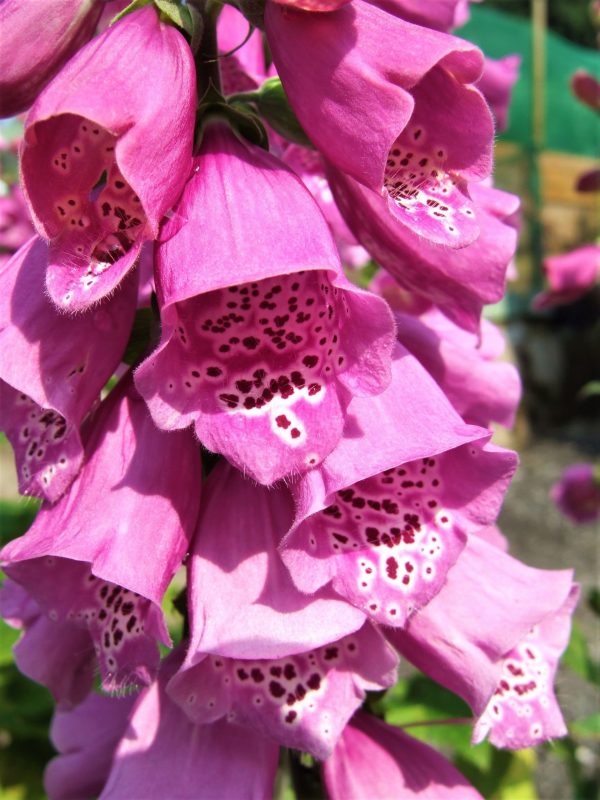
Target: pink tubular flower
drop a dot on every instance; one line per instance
(570, 276)
(243, 68)
(460, 282)
(523, 710)
(413, 150)
(15, 224)
(86, 738)
(301, 701)
(586, 88)
(469, 653)
(577, 493)
(163, 754)
(52, 369)
(496, 84)
(59, 655)
(242, 602)
(85, 561)
(264, 340)
(386, 515)
(101, 117)
(480, 387)
(441, 15)
(377, 761)
(37, 39)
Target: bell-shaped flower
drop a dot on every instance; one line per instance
(577, 493)
(164, 754)
(441, 15)
(264, 340)
(107, 149)
(570, 276)
(52, 369)
(416, 129)
(301, 701)
(468, 652)
(496, 84)
(523, 711)
(242, 602)
(388, 512)
(480, 387)
(460, 282)
(36, 41)
(59, 655)
(379, 761)
(85, 738)
(87, 559)
(241, 63)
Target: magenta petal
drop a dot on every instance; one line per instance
(86, 561)
(386, 514)
(302, 701)
(52, 369)
(97, 118)
(36, 41)
(378, 59)
(58, 655)
(244, 68)
(480, 388)
(577, 493)
(496, 84)
(460, 281)
(263, 336)
(378, 761)
(463, 650)
(162, 749)
(86, 738)
(523, 710)
(438, 14)
(242, 601)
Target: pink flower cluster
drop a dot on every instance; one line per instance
(348, 518)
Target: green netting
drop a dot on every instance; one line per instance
(570, 126)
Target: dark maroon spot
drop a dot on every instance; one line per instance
(391, 567)
(242, 674)
(291, 716)
(257, 675)
(276, 672)
(331, 653)
(289, 672)
(213, 372)
(314, 682)
(131, 623)
(276, 689)
(294, 433)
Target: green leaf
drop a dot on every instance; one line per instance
(273, 104)
(185, 17)
(577, 657)
(140, 338)
(128, 9)
(16, 516)
(586, 728)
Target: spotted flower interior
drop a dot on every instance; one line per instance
(261, 359)
(390, 540)
(424, 195)
(94, 218)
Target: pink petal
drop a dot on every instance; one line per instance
(377, 761)
(302, 701)
(97, 117)
(242, 601)
(52, 369)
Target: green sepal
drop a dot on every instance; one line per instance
(187, 18)
(273, 104)
(143, 335)
(134, 6)
(239, 116)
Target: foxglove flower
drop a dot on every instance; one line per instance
(15, 225)
(37, 39)
(264, 341)
(301, 701)
(86, 738)
(378, 761)
(386, 515)
(577, 493)
(469, 653)
(52, 369)
(59, 655)
(164, 754)
(85, 560)
(523, 710)
(496, 84)
(242, 602)
(415, 152)
(570, 276)
(460, 282)
(106, 152)
(481, 388)
(242, 63)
